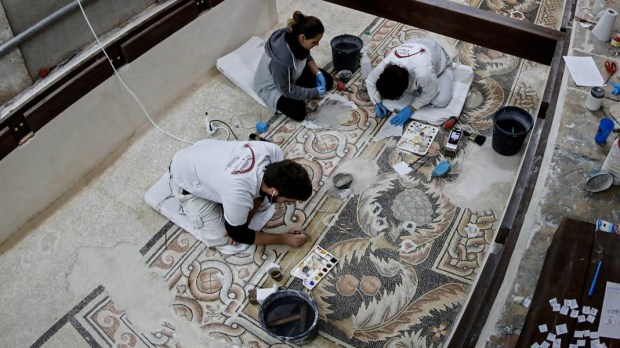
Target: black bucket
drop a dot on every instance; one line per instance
(291, 316)
(511, 125)
(346, 52)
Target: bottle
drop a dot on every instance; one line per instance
(365, 64)
(612, 162)
(366, 39)
(595, 98)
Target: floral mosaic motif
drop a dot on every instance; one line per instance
(464, 254)
(405, 260)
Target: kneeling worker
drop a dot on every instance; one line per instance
(223, 185)
(419, 70)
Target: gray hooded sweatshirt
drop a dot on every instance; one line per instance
(277, 72)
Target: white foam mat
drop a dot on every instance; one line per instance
(463, 78)
(240, 65)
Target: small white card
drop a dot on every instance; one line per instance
(581, 318)
(556, 307)
(578, 333)
(545, 345)
(551, 337)
(542, 328)
(561, 329)
(574, 313)
(573, 304)
(594, 334)
(593, 311)
(564, 310)
(586, 333)
(557, 343)
(591, 318)
(402, 168)
(581, 343)
(526, 302)
(585, 310)
(553, 301)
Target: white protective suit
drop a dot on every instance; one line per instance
(221, 175)
(430, 73)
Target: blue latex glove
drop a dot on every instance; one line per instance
(321, 90)
(616, 90)
(381, 110)
(320, 80)
(402, 116)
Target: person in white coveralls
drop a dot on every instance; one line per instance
(226, 189)
(418, 69)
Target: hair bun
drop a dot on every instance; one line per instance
(298, 16)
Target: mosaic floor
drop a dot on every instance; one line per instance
(406, 260)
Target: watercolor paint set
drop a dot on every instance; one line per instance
(314, 267)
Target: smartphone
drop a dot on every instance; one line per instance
(453, 140)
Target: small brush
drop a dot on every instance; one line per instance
(476, 138)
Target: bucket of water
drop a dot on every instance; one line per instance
(290, 315)
(511, 125)
(346, 52)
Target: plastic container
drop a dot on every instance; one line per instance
(511, 124)
(595, 99)
(366, 65)
(346, 52)
(291, 316)
(599, 181)
(612, 162)
(605, 127)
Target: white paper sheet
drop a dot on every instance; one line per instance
(609, 324)
(402, 168)
(584, 71)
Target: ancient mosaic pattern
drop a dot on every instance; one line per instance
(406, 260)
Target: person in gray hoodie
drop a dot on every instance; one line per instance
(287, 75)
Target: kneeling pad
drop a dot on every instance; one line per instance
(160, 198)
(463, 78)
(240, 65)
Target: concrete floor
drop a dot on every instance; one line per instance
(75, 246)
(90, 237)
(571, 156)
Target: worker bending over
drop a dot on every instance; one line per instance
(418, 69)
(224, 185)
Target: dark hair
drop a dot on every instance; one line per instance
(392, 82)
(290, 179)
(310, 26)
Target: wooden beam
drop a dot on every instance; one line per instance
(480, 27)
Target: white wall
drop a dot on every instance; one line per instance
(34, 175)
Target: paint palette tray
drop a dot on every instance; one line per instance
(314, 267)
(418, 138)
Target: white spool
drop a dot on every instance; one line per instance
(612, 162)
(605, 25)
